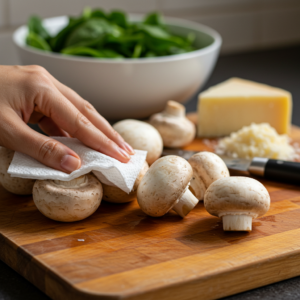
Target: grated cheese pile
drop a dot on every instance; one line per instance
(257, 140)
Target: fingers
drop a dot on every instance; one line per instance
(47, 125)
(90, 113)
(16, 135)
(66, 116)
(50, 128)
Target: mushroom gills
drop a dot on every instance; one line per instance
(186, 203)
(237, 222)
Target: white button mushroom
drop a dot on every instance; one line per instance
(19, 186)
(68, 201)
(237, 200)
(116, 195)
(207, 168)
(176, 130)
(165, 187)
(141, 136)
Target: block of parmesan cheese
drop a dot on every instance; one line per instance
(232, 104)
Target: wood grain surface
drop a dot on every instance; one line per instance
(120, 253)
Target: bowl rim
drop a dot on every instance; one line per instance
(216, 44)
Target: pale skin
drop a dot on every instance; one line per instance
(29, 94)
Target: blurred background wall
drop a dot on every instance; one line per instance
(244, 24)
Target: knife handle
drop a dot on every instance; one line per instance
(287, 171)
(273, 169)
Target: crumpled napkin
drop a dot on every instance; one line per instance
(107, 169)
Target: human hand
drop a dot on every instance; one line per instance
(29, 94)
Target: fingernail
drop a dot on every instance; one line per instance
(70, 163)
(124, 153)
(128, 148)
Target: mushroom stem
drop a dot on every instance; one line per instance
(237, 222)
(175, 109)
(74, 183)
(185, 204)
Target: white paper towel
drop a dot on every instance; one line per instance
(108, 170)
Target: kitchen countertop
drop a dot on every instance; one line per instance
(280, 68)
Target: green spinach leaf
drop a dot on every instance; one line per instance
(86, 51)
(98, 34)
(35, 25)
(154, 19)
(98, 13)
(91, 31)
(37, 41)
(118, 18)
(58, 41)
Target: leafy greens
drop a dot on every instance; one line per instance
(109, 35)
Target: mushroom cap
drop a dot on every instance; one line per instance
(67, 204)
(175, 129)
(207, 168)
(163, 185)
(15, 185)
(116, 195)
(141, 136)
(237, 195)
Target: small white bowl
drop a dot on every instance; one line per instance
(129, 88)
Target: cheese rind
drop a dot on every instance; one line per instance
(228, 106)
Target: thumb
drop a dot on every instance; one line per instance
(22, 138)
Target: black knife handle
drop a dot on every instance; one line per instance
(280, 170)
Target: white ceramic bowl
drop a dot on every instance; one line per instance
(130, 88)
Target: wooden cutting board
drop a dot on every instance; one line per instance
(120, 253)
